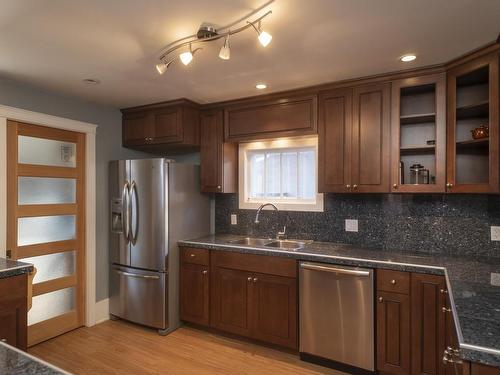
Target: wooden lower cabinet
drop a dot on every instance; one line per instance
(248, 295)
(393, 333)
(194, 293)
(13, 311)
(230, 300)
(274, 309)
(428, 324)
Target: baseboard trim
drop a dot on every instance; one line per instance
(102, 311)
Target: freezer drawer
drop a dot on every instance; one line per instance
(336, 314)
(138, 296)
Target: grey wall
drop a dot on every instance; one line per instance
(438, 223)
(108, 147)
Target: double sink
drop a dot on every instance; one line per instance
(270, 243)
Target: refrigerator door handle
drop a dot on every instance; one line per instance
(136, 275)
(134, 211)
(126, 211)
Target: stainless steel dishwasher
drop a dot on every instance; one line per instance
(337, 317)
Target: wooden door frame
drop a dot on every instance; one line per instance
(36, 118)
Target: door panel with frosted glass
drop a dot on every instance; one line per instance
(46, 223)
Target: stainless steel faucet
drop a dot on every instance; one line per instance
(260, 209)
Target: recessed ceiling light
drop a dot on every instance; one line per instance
(260, 86)
(408, 58)
(91, 81)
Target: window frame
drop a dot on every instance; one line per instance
(282, 144)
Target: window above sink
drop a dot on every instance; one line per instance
(282, 171)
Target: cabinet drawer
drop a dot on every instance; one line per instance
(393, 281)
(270, 265)
(195, 256)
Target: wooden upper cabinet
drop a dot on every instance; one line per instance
(418, 134)
(370, 150)
(428, 324)
(354, 135)
(172, 127)
(473, 100)
(334, 140)
(219, 159)
(271, 118)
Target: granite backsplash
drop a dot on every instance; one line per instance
(435, 223)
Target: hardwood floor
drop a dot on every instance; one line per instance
(116, 347)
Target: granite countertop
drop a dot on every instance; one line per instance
(10, 268)
(14, 361)
(475, 300)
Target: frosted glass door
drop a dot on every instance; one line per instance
(46, 214)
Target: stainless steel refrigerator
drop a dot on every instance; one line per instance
(154, 203)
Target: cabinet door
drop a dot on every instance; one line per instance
(219, 160)
(138, 128)
(473, 164)
(334, 140)
(393, 333)
(428, 324)
(230, 300)
(418, 134)
(274, 310)
(271, 118)
(194, 293)
(168, 126)
(13, 311)
(371, 139)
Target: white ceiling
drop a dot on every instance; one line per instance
(57, 43)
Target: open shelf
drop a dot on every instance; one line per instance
(418, 118)
(473, 110)
(418, 150)
(473, 144)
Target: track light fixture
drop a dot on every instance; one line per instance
(207, 33)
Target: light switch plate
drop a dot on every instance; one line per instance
(495, 279)
(495, 233)
(351, 225)
(234, 219)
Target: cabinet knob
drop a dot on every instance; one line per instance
(219, 187)
(395, 186)
(204, 272)
(380, 299)
(446, 310)
(192, 255)
(148, 139)
(449, 185)
(444, 291)
(255, 279)
(3, 340)
(355, 187)
(393, 282)
(348, 186)
(249, 279)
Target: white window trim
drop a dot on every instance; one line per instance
(281, 143)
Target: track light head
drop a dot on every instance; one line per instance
(163, 66)
(225, 51)
(265, 38)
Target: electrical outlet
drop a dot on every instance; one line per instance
(234, 219)
(495, 279)
(495, 233)
(351, 225)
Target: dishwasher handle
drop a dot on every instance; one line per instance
(315, 267)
